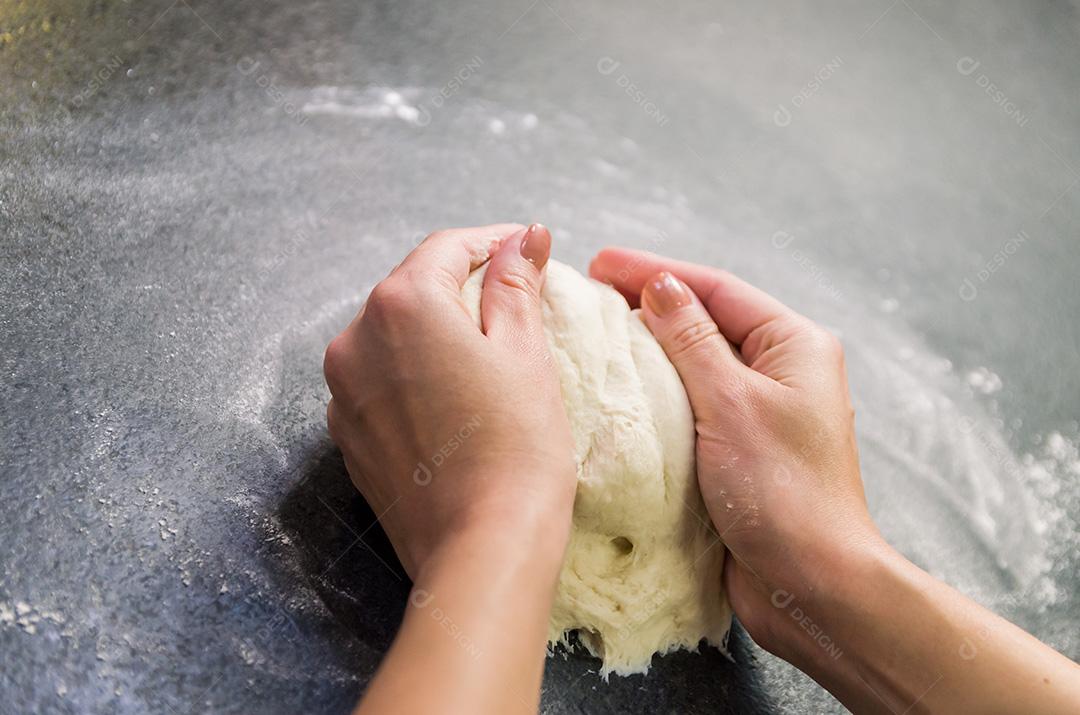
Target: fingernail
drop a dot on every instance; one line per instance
(666, 293)
(536, 245)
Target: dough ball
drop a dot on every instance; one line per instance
(642, 572)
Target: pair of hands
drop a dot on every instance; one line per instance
(458, 439)
(455, 434)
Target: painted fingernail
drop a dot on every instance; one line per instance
(536, 245)
(666, 293)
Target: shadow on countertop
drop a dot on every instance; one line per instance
(348, 560)
(344, 554)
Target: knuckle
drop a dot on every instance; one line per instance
(692, 336)
(722, 282)
(517, 281)
(335, 358)
(389, 297)
(824, 341)
(721, 287)
(833, 346)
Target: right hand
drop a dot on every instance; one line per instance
(777, 460)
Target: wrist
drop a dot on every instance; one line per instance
(838, 639)
(505, 512)
(814, 613)
(481, 578)
(512, 533)
(498, 544)
(485, 591)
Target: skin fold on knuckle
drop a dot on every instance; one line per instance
(516, 281)
(786, 331)
(760, 339)
(690, 337)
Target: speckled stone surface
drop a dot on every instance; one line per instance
(194, 198)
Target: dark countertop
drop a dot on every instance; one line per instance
(195, 198)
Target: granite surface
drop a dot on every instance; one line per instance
(195, 197)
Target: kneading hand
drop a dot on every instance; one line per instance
(812, 579)
(777, 461)
(447, 428)
(457, 437)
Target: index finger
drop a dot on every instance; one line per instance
(737, 307)
(451, 254)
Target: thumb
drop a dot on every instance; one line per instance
(510, 302)
(683, 327)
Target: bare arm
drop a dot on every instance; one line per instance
(913, 644)
(475, 632)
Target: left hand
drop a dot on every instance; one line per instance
(451, 431)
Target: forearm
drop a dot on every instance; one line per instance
(475, 629)
(910, 643)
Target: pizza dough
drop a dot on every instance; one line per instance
(642, 572)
